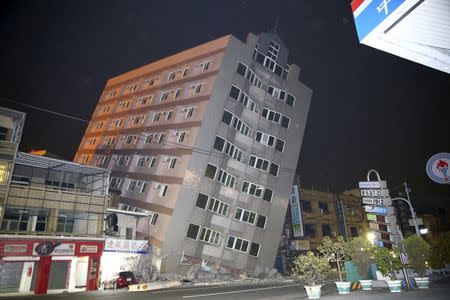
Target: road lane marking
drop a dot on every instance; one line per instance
(240, 291)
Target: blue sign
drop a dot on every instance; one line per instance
(294, 200)
(437, 168)
(373, 14)
(380, 210)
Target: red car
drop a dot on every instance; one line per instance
(120, 280)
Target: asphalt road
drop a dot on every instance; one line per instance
(279, 291)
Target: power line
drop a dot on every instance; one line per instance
(45, 110)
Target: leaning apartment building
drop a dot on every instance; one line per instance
(206, 141)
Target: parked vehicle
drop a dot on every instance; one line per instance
(119, 280)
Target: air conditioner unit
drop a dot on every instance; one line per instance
(185, 109)
(177, 133)
(167, 159)
(321, 211)
(158, 186)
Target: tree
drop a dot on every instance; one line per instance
(388, 262)
(336, 251)
(418, 252)
(360, 251)
(310, 269)
(440, 253)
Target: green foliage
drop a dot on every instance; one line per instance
(418, 252)
(336, 251)
(310, 269)
(360, 251)
(388, 262)
(440, 251)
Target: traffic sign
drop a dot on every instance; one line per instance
(375, 193)
(377, 201)
(372, 184)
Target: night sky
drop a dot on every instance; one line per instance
(369, 109)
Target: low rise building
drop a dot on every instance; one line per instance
(51, 236)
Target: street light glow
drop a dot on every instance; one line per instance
(371, 236)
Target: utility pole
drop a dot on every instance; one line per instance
(413, 213)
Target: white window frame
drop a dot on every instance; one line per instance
(217, 206)
(235, 242)
(131, 139)
(180, 135)
(209, 236)
(257, 187)
(204, 66)
(243, 212)
(162, 189)
(189, 111)
(255, 164)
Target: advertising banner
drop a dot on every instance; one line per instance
(126, 246)
(294, 200)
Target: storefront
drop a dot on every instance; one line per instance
(41, 263)
(125, 255)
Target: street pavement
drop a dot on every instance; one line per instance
(271, 291)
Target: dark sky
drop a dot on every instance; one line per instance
(369, 109)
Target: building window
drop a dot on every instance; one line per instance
(326, 230)
(243, 98)
(241, 69)
(137, 120)
(218, 207)
(290, 100)
(161, 138)
(285, 122)
(98, 125)
(189, 111)
(244, 215)
(131, 139)
(142, 160)
(177, 93)
(184, 73)
(279, 146)
(268, 194)
(271, 115)
(117, 123)
(276, 93)
(205, 66)
(180, 136)
(91, 141)
(237, 244)
(274, 169)
(164, 96)
(162, 189)
(354, 231)
(123, 160)
(265, 139)
(171, 76)
(172, 163)
(258, 163)
(124, 104)
(261, 222)
(254, 249)
(323, 207)
(226, 178)
(252, 189)
(209, 236)
(102, 159)
(154, 218)
(219, 143)
(152, 81)
(236, 123)
(310, 230)
(306, 205)
(65, 224)
(197, 88)
(231, 150)
(137, 185)
(192, 231)
(210, 171)
(202, 200)
(110, 140)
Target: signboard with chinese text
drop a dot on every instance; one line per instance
(126, 246)
(294, 200)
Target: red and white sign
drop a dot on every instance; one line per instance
(15, 248)
(60, 250)
(88, 248)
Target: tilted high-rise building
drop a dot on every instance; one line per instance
(207, 141)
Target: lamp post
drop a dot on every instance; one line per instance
(413, 213)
